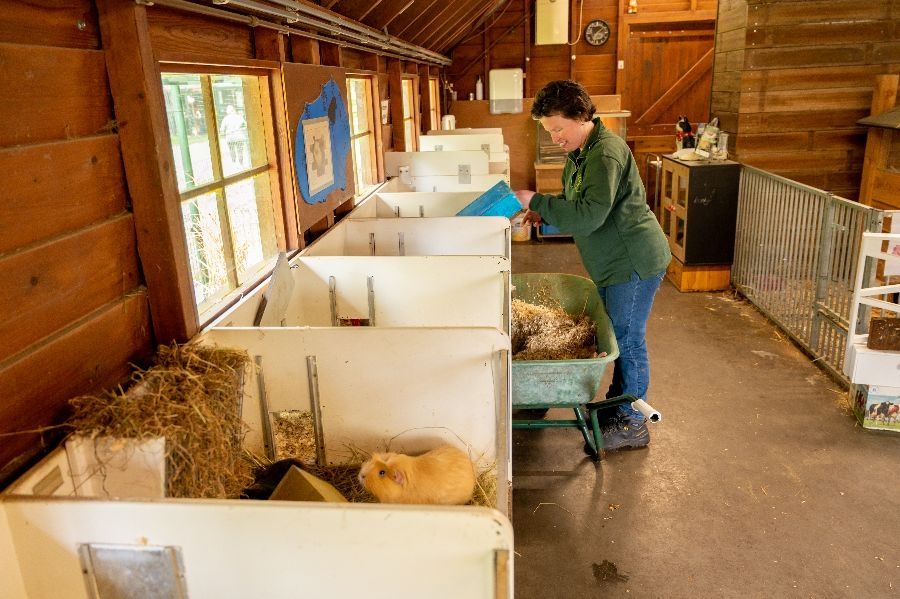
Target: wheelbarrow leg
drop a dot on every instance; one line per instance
(590, 444)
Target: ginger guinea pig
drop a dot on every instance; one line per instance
(443, 476)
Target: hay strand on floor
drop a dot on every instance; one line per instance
(192, 397)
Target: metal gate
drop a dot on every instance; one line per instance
(796, 252)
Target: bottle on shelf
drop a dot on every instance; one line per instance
(479, 89)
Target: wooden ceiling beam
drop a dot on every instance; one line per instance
(458, 36)
(461, 27)
(387, 16)
(403, 25)
(450, 11)
(462, 19)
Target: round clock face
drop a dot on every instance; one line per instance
(597, 32)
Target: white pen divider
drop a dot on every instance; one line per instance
(439, 236)
(414, 204)
(452, 183)
(467, 131)
(404, 389)
(394, 290)
(425, 164)
(454, 143)
(229, 548)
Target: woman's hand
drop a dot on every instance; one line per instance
(524, 196)
(531, 217)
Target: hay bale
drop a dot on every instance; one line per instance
(550, 333)
(192, 397)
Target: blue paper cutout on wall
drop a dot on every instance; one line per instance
(328, 109)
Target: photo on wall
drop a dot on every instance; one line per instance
(317, 144)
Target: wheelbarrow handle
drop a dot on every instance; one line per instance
(649, 412)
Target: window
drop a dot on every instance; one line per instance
(434, 103)
(362, 135)
(218, 129)
(409, 111)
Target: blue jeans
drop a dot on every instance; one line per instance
(628, 305)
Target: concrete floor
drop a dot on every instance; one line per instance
(757, 482)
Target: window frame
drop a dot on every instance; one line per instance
(268, 79)
(371, 82)
(434, 103)
(412, 143)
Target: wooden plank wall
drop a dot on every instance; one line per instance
(74, 303)
(73, 307)
(794, 76)
(509, 37)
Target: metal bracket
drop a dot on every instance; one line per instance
(438, 148)
(312, 373)
(397, 211)
(124, 571)
(421, 211)
(370, 285)
(402, 243)
(332, 300)
(371, 244)
(268, 437)
(464, 174)
(486, 148)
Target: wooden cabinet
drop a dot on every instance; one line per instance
(698, 209)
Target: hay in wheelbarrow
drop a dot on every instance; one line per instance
(192, 398)
(547, 332)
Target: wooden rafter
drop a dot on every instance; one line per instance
(451, 12)
(478, 18)
(404, 24)
(388, 14)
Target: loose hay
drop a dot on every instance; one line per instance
(294, 436)
(192, 397)
(550, 333)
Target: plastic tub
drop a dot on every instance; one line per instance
(564, 383)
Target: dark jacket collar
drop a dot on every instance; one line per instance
(592, 139)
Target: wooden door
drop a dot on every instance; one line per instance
(667, 70)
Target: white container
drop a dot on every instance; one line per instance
(479, 89)
(506, 90)
(551, 22)
(448, 122)
(413, 204)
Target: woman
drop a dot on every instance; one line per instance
(603, 205)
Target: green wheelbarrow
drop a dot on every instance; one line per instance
(543, 384)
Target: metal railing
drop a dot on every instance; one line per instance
(796, 254)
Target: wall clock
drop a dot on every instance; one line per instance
(597, 32)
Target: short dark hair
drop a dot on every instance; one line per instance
(566, 98)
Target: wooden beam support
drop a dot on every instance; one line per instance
(137, 93)
(395, 71)
(269, 44)
(457, 13)
(465, 25)
(878, 142)
(305, 50)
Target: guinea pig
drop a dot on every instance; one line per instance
(443, 476)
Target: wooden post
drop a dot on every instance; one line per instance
(878, 142)
(396, 96)
(134, 79)
(269, 44)
(305, 50)
(425, 95)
